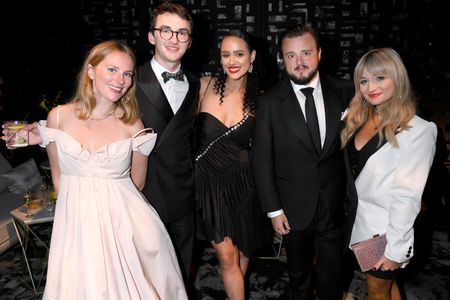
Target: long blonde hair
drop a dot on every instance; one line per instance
(84, 98)
(395, 113)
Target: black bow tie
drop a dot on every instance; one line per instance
(177, 76)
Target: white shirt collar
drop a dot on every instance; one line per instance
(158, 69)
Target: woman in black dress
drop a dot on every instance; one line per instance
(228, 212)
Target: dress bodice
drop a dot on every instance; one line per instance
(209, 128)
(222, 147)
(112, 160)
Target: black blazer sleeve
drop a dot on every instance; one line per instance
(262, 158)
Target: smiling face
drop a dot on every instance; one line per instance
(301, 58)
(168, 53)
(376, 88)
(112, 77)
(236, 57)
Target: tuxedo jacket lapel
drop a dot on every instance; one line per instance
(292, 111)
(152, 89)
(185, 106)
(332, 114)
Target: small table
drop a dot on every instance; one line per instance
(25, 234)
(277, 247)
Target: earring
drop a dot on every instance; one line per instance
(126, 99)
(250, 69)
(364, 100)
(224, 72)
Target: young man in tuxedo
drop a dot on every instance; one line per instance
(167, 97)
(299, 167)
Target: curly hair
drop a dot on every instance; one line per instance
(253, 83)
(395, 113)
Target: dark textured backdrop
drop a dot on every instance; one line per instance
(42, 43)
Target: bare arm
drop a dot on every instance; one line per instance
(205, 82)
(139, 169)
(52, 153)
(138, 162)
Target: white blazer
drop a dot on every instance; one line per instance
(390, 188)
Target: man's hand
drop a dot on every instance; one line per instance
(280, 224)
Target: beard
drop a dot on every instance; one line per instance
(303, 80)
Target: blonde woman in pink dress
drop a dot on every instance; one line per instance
(107, 241)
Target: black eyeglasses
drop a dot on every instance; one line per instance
(167, 34)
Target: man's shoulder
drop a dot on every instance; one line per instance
(278, 89)
(191, 76)
(144, 71)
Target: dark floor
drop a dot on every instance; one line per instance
(428, 277)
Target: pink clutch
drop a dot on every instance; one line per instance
(369, 252)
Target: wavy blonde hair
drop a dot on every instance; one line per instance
(395, 113)
(84, 98)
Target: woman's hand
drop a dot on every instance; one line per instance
(34, 137)
(385, 264)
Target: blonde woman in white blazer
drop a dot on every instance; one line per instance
(388, 152)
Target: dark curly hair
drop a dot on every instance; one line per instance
(253, 85)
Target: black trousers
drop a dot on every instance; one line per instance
(182, 234)
(314, 258)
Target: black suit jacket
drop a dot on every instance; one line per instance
(169, 185)
(290, 173)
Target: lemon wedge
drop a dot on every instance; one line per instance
(52, 196)
(16, 127)
(20, 140)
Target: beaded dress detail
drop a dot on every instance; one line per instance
(224, 181)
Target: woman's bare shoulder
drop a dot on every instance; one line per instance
(60, 114)
(205, 79)
(207, 82)
(134, 128)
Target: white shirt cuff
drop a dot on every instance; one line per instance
(274, 214)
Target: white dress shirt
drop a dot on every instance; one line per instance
(174, 90)
(318, 101)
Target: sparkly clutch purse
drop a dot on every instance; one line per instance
(368, 252)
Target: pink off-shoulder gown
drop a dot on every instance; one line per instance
(107, 241)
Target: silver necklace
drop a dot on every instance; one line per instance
(101, 118)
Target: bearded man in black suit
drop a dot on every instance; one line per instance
(299, 167)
